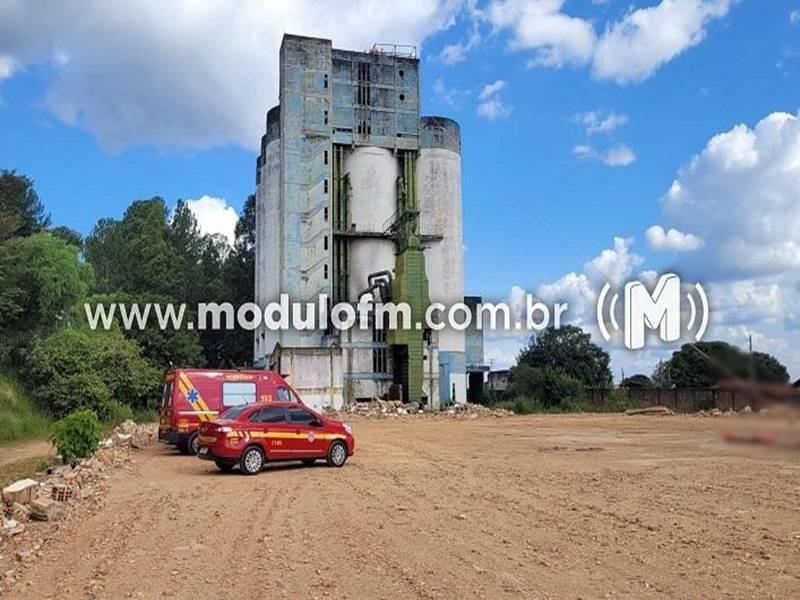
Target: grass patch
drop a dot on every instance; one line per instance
(529, 406)
(20, 419)
(25, 467)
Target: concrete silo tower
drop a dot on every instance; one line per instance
(352, 182)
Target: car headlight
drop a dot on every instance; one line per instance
(348, 429)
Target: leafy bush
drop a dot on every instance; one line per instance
(73, 368)
(705, 402)
(117, 412)
(620, 400)
(528, 406)
(551, 388)
(77, 435)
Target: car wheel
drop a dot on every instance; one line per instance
(192, 445)
(224, 466)
(252, 461)
(309, 461)
(337, 454)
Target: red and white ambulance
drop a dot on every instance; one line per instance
(194, 396)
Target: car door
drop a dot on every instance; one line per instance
(274, 431)
(308, 439)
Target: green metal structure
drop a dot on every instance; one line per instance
(410, 282)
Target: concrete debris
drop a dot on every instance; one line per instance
(716, 412)
(66, 488)
(61, 492)
(20, 491)
(650, 410)
(382, 409)
(45, 509)
(12, 527)
(20, 512)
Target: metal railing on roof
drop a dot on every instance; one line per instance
(399, 50)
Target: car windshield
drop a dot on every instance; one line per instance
(233, 413)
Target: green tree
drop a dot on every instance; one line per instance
(705, 363)
(570, 349)
(70, 236)
(234, 348)
(105, 252)
(21, 211)
(637, 381)
(135, 254)
(41, 278)
(769, 369)
(188, 245)
(75, 368)
(180, 347)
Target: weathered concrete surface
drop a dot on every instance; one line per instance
(20, 491)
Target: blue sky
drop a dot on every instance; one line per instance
(577, 116)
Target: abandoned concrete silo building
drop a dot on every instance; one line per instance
(354, 188)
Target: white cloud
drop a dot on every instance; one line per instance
(631, 49)
(491, 105)
(794, 17)
(619, 155)
(646, 38)
(453, 54)
(214, 216)
(191, 73)
(6, 67)
(615, 265)
(600, 121)
(740, 195)
(672, 240)
(539, 25)
(448, 95)
(491, 89)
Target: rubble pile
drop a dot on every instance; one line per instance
(62, 489)
(477, 410)
(716, 412)
(384, 409)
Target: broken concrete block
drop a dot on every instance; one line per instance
(20, 512)
(45, 509)
(20, 491)
(123, 439)
(11, 527)
(61, 493)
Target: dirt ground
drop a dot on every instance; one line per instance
(535, 507)
(22, 450)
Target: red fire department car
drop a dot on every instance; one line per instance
(250, 436)
(195, 396)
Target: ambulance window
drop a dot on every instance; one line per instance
(283, 394)
(273, 414)
(238, 393)
(298, 415)
(166, 400)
